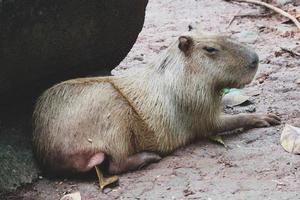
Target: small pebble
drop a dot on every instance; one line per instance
(138, 58)
(261, 80)
(73, 196)
(107, 190)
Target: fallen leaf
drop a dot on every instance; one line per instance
(226, 90)
(290, 139)
(235, 91)
(72, 196)
(218, 139)
(234, 99)
(252, 92)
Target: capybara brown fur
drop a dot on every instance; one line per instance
(134, 118)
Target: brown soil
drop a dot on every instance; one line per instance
(254, 166)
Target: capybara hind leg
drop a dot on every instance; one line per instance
(84, 162)
(134, 162)
(95, 160)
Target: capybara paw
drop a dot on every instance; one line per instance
(148, 158)
(265, 120)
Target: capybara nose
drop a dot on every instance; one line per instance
(254, 61)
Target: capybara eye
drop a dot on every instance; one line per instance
(210, 49)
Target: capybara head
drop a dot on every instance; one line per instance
(215, 60)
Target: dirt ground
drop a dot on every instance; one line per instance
(254, 166)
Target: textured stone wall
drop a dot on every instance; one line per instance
(45, 41)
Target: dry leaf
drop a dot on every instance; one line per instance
(252, 92)
(218, 139)
(234, 99)
(290, 139)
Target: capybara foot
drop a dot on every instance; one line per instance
(263, 120)
(136, 161)
(145, 158)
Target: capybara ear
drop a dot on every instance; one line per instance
(185, 43)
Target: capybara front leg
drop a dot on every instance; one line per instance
(134, 162)
(231, 122)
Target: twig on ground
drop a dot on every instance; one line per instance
(292, 53)
(248, 15)
(255, 15)
(278, 10)
(233, 18)
(288, 21)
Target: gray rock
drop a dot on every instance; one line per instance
(17, 166)
(46, 41)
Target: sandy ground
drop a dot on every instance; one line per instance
(254, 166)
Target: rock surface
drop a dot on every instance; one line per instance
(45, 41)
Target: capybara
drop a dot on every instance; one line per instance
(134, 118)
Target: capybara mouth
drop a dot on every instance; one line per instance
(240, 86)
